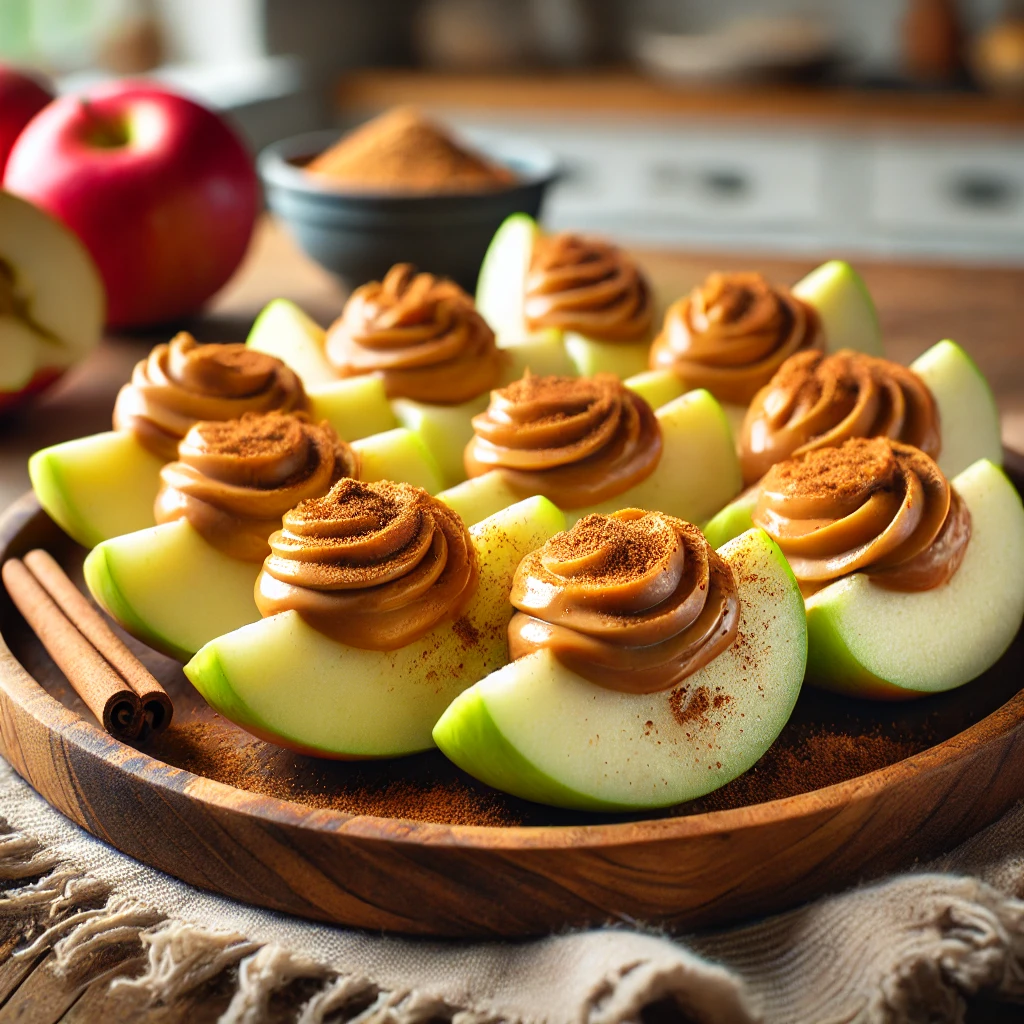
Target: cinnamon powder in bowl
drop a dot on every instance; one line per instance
(402, 189)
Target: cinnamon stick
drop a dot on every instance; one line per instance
(106, 694)
(155, 704)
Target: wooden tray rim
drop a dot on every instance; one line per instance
(36, 702)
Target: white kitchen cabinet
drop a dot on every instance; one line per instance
(930, 192)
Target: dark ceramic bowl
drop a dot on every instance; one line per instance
(360, 235)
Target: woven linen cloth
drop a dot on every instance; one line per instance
(907, 949)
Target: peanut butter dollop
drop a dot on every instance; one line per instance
(372, 565)
(576, 440)
(732, 333)
(588, 286)
(422, 333)
(233, 481)
(817, 401)
(635, 601)
(180, 383)
(875, 506)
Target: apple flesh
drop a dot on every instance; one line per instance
(968, 428)
(160, 190)
(51, 299)
(537, 730)
(288, 333)
(398, 454)
(656, 387)
(844, 306)
(697, 471)
(445, 429)
(21, 98)
(97, 487)
(170, 588)
(867, 641)
(968, 414)
(284, 681)
(501, 284)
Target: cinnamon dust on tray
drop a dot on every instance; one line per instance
(428, 788)
(403, 151)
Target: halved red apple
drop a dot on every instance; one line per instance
(52, 303)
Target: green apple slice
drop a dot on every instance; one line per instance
(445, 429)
(502, 281)
(697, 471)
(867, 641)
(398, 454)
(542, 353)
(590, 356)
(845, 307)
(539, 731)
(98, 486)
(968, 414)
(283, 330)
(656, 387)
(356, 406)
(968, 428)
(171, 589)
(284, 681)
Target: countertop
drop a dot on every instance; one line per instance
(626, 94)
(918, 305)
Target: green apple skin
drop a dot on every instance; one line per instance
(98, 486)
(355, 407)
(537, 730)
(844, 306)
(171, 589)
(501, 284)
(284, 681)
(732, 520)
(283, 330)
(445, 429)
(591, 355)
(656, 387)
(968, 414)
(698, 470)
(398, 454)
(867, 641)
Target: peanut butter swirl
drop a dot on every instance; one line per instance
(875, 506)
(180, 383)
(818, 401)
(635, 601)
(588, 286)
(732, 333)
(422, 333)
(372, 565)
(576, 440)
(233, 481)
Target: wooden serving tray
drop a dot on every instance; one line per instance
(851, 790)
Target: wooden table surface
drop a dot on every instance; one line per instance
(980, 308)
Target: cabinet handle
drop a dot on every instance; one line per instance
(982, 191)
(716, 182)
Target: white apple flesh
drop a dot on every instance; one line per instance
(51, 298)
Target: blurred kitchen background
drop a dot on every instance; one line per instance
(879, 127)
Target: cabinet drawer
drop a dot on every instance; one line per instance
(959, 185)
(719, 178)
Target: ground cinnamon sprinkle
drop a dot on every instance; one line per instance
(401, 150)
(858, 465)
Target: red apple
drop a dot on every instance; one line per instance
(161, 191)
(21, 98)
